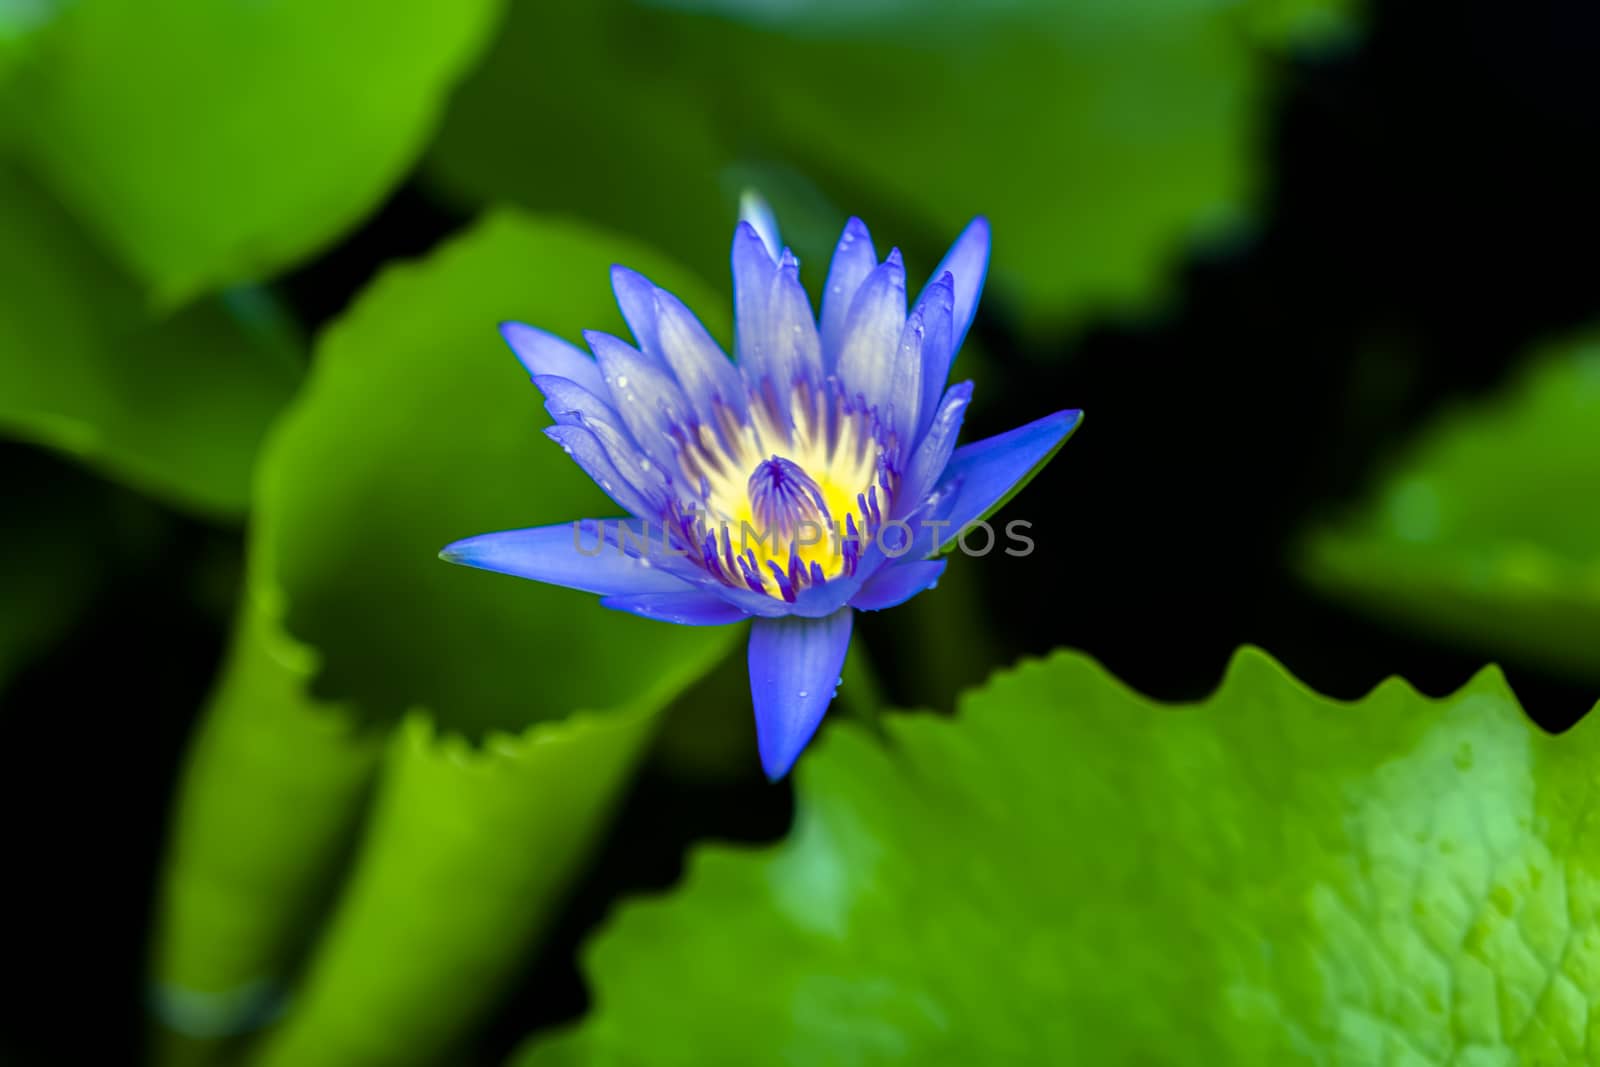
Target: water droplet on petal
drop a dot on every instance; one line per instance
(622, 381)
(803, 693)
(644, 464)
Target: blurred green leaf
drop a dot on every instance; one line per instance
(270, 798)
(175, 405)
(1068, 873)
(464, 862)
(209, 143)
(418, 427)
(1099, 137)
(1488, 529)
(20, 23)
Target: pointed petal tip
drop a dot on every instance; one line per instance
(1060, 425)
(777, 761)
(521, 337)
(625, 279)
(755, 212)
(748, 234)
(795, 664)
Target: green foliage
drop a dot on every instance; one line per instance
(20, 23)
(176, 405)
(1488, 529)
(1069, 873)
(465, 857)
(209, 143)
(270, 798)
(417, 426)
(1099, 137)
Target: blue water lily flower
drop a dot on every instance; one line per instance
(816, 476)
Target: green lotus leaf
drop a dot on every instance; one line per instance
(1067, 872)
(1487, 530)
(466, 856)
(209, 143)
(174, 404)
(1100, 138)
(270, 799)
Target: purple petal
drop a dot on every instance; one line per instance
(569, 403)
(754, 210)
(793, 349)
(928, 462)
(545, 353)
(637, 470)
(895, 585)
(591, 457)
(904, 397)
(753, 603)
(572, 554)
(816, 601)
(794, 669)
(753, 273)
(642, 391)
(636, 296)
(937, 351)
(693, 608)
(987, 472)
(853, 260)
(702, 368)
(872, 332)
(968, 262)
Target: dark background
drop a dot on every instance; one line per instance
(1431, 214)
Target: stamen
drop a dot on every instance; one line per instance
(784, 585)
(800, 458)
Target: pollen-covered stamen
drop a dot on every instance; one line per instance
(785, 493)
(783, 497)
